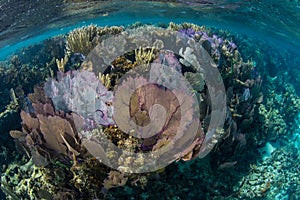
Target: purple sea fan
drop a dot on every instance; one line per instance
(190, 32)
(83, 93)
(211, 44)
(168, 58)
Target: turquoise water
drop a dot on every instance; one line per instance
(276, 22)
(258, 158)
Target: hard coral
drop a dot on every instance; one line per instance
(83, 40)
(115, 179)
(27, 181)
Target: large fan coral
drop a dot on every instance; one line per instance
(83, 93)
(48, 133)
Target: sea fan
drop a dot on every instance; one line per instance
(83, 93)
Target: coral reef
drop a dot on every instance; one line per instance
(278, 113)
(82, 93)
(236, 74)
(83, 40)
(62, 63)
(48, 133)
(275, 177)
(68, 124)
(115, 179)
(10, 112)
(274, 125)
(27, 181)
(21, 72)
(144, 56)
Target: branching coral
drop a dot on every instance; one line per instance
(156, 117)
(144, 56)
(241, 80)
(83, 40)
(62, 63)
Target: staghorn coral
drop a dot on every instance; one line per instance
(61, 64)
(144, 56)
(120, 66)
(83, 40)
(237, 76)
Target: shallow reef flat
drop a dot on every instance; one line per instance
(175, 111)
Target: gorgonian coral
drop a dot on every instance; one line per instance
(83, 93)
(214, 45)
(156, 119)
(48, 133)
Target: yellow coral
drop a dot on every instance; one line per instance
(105, 79)
(81, 40)
(144, 56)
(62, 63)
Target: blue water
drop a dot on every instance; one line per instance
(237, 16)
